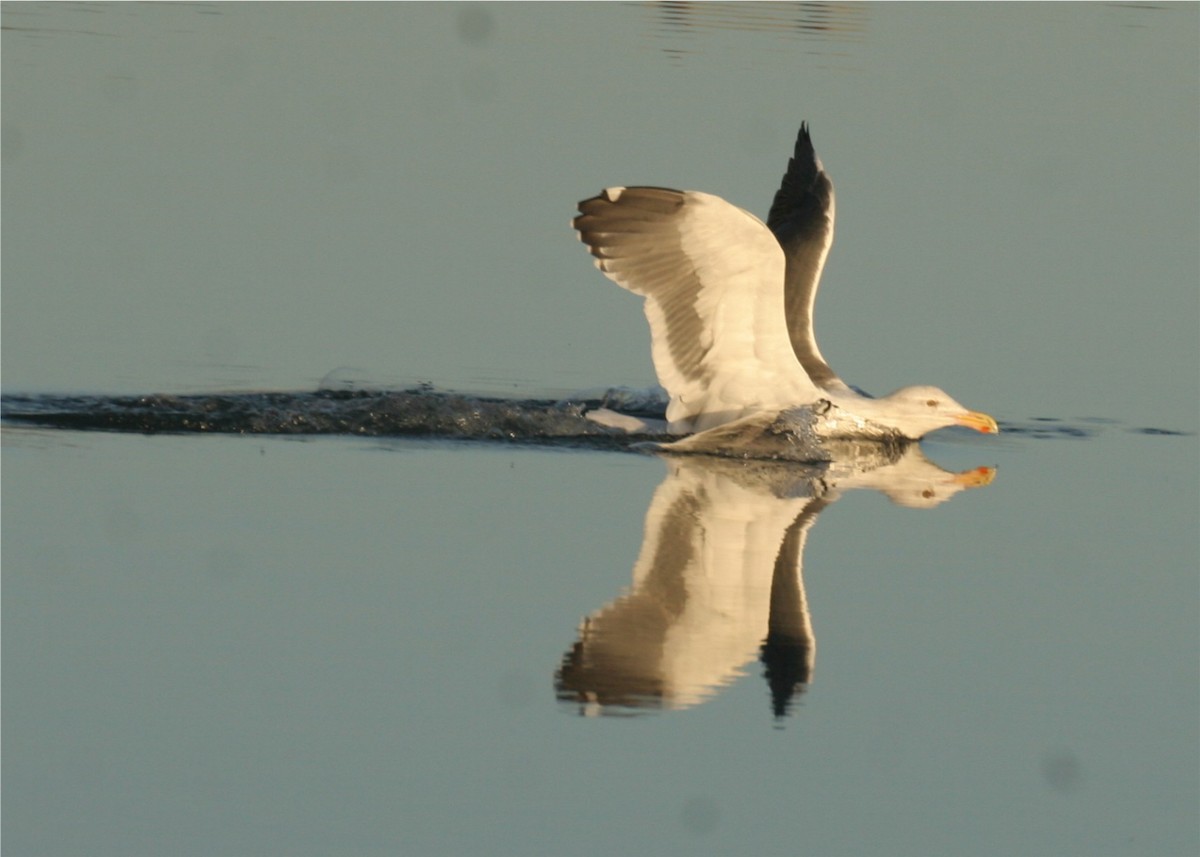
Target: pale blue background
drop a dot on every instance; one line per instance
(259, 646)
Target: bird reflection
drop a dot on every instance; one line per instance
(719, 579)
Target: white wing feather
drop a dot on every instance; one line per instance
(713, 278)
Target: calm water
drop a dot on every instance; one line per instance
(256, 645)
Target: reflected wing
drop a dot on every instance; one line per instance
(802, 219)
(720, 567)
(790, 649)
(712, 275)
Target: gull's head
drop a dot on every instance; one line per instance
(916, 411)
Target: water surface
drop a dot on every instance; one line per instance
(224, 644)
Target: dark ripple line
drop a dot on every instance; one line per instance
(419, 412)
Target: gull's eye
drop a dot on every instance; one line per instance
(932, 403)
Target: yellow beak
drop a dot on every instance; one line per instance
(979, 422)
(976, 478)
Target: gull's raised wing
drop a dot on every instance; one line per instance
(713, 279)
(802, 219)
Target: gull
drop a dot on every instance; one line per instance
(730, 304)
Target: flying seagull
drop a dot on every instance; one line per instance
(730, 305)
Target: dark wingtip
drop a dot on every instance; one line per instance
(804, 193)
(804, 145)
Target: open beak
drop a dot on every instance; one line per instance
(979, 422)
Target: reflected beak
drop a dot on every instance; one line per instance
(976, 478)
(979, 422)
